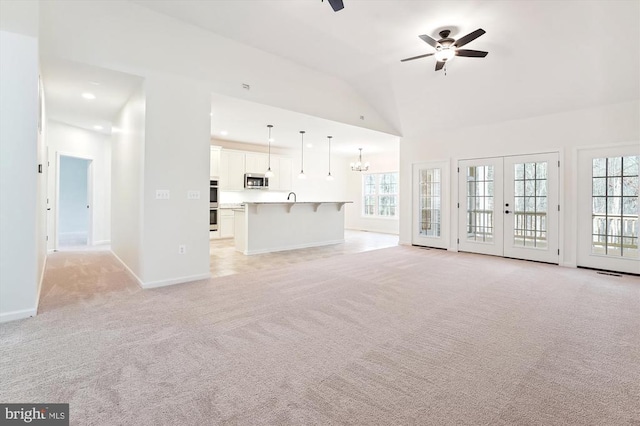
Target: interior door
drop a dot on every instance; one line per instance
(608, 226)
(480, 216)
(531, 207)
(509, 206)
(431, 204)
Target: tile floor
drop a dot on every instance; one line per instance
(225, 260)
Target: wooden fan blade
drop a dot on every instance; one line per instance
(469, 37)
(471, 53)
(430, 41)
(439, 66)
(336, 5)
(416, 57)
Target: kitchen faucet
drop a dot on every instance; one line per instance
(294, 196)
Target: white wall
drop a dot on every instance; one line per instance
(73, 141)
(565, 133)
(21, 260)
(127, 166)
(176, 157)
(382, 163)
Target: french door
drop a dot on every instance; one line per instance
(431, 204)
(608, 225)
(508, 206)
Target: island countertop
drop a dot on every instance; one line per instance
(297, 202)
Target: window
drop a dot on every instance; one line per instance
(614, 194)
(380, 194)
(480, 203)
(430, 202)
(530, 210)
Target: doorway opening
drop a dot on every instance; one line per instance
(508, 206)
(74, 205)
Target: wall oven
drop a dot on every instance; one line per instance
(213, 205)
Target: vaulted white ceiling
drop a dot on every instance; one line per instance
(544, 56)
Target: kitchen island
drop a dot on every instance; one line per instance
(264, 227)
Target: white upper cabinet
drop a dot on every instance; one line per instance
(256, 163)
(285, 174)
(282, 168)
(232, 166)
(231, 170)
(214, 162)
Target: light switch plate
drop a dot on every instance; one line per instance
(193, 195)
(162, 194)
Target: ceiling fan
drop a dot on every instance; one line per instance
(447, 48)
(336, 4)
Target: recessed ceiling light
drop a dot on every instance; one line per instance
(210, 114)
(95, 83)
(224, 133)
(89, 96)
(309, 145)
(97, 127)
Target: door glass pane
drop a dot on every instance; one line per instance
(430, 202)
(615, 206)
(480, 203)
(530, 209)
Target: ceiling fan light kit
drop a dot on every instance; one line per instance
(447, 48)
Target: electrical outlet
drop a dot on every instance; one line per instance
(193, 195)
(162, 194)
(182, 249)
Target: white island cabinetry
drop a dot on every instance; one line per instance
(265, 227)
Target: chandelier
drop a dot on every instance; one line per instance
(359, 166)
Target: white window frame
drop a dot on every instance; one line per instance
(377, 196)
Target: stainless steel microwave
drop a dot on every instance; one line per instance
(255, 181)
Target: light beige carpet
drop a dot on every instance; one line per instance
(394, 336)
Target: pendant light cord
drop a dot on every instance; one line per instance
(269, 126)
(329, 153)
(302, 152)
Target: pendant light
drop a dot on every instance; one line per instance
(329, 177)
(302, 175)
(269, 173)
(359, 166)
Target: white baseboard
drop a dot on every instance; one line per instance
(16, 315)
(374, 230)
(293, 247)
(173, 281)
(101, 242)
(138, 280)
(453, 249)
(569, 264)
